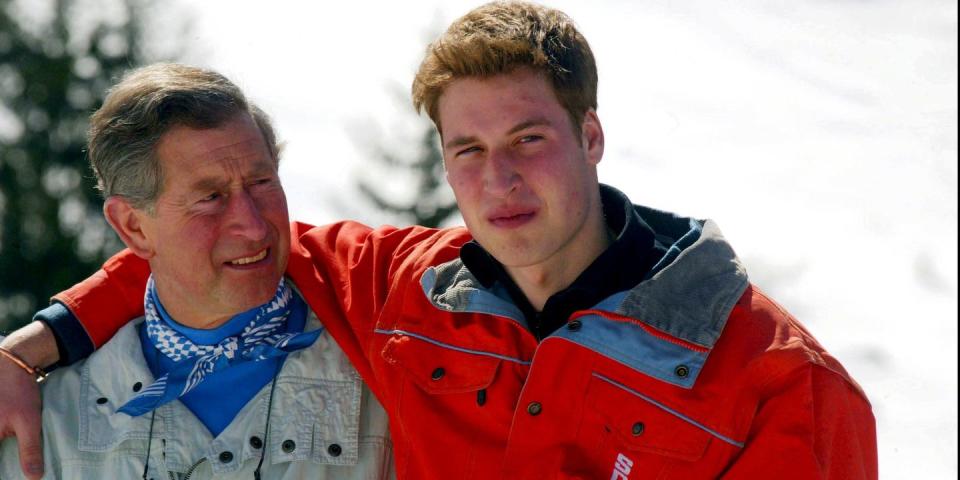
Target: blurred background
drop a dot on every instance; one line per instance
(820, 135)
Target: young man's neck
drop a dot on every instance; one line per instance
(541, 281)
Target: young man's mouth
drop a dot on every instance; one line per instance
(511, 218)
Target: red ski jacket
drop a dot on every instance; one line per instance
(694, 373)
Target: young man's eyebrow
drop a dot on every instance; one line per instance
(459, 142)
(533, 122)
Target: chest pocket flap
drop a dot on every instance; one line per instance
(641, 424)
(439, 368)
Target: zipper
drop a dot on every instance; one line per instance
(193, 467)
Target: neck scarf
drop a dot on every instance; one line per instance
(264, 337)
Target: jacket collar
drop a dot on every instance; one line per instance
(628, 259)
(691, 291)
(688, 294)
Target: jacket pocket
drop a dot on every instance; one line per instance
(442, 392)
(441, 369)
(316, 419)
(628, 435)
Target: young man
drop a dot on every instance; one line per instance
(227, 372)
(577, 335)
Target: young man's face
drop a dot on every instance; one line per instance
(220, 232)
(524, 179)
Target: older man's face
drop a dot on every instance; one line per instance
(220, 230)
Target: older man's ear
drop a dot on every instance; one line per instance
(127, 222)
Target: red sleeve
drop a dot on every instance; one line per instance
(813, 424)
(109, 298)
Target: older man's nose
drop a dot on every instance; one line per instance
(244, 218)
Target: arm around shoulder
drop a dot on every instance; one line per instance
(108, 299)
(20, 396)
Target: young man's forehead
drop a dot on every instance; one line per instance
(508, 102)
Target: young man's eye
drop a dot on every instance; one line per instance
(467, 151)
(530, 138)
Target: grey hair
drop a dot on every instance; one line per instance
(148, 102)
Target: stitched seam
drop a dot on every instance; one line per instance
(452, 347)
(670, 410)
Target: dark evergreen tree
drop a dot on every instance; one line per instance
(55, 66)
(431, 202)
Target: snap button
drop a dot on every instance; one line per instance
(682, 371)
(637, 429)
(101, 400)
(288, 446)
(482, 397)
(534, 408)
(574, 325)
(255, 442)
(226, 457)
(137, 386)
(437, 373)
(334, 450)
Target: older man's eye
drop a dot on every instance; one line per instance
(211, 198)
(262, 182)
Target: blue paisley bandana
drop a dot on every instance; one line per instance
(264, 337)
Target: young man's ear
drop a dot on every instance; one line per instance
(591, 135)
(127, 221)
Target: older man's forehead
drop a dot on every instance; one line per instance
(207, 158)
(251, 150)
(238, 134)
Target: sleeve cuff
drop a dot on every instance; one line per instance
(73, 343)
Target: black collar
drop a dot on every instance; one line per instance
(620, 267)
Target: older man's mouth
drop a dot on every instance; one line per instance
(251, 259)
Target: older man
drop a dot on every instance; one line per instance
(578, 335)
(228, 373)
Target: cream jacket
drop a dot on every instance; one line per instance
(324, 423)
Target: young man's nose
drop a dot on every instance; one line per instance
(500, 176)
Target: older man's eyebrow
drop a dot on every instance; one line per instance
(207, 184)
(258, 170)
(263, 168)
